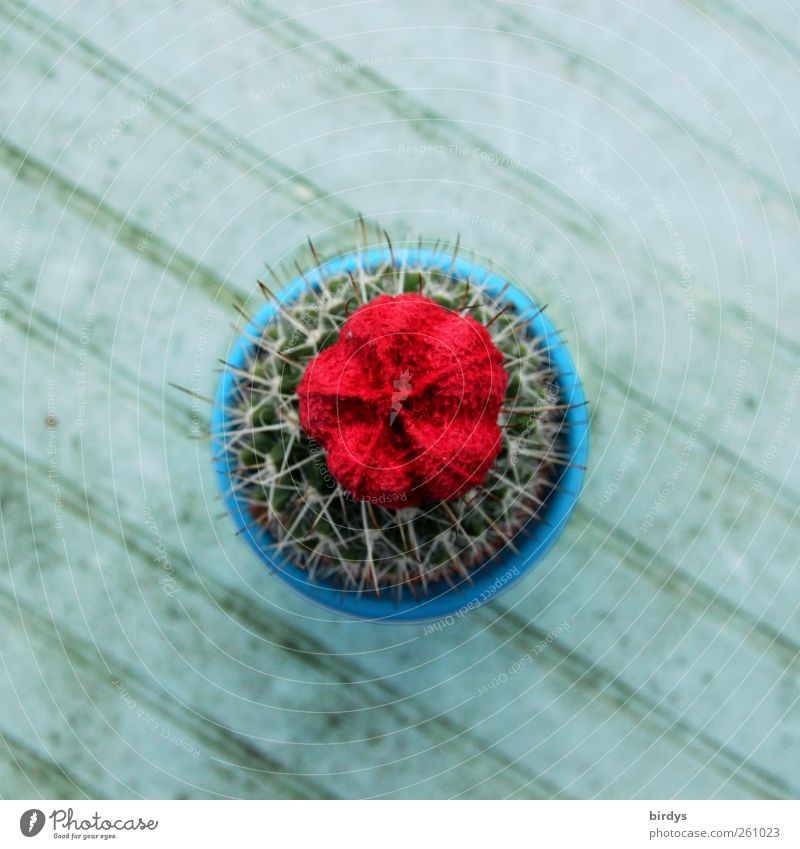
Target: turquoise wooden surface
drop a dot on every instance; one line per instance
(634, 167)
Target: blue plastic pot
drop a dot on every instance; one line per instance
(500, 572)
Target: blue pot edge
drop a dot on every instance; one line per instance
(448, 601)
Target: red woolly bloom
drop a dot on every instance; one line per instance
(406, 402)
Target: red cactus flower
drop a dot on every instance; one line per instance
(406, 402)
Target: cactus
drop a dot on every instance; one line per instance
(281, 473)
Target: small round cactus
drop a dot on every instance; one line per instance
(394, 427)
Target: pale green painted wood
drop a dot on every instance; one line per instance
(678, 674)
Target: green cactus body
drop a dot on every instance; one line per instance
(363, 545)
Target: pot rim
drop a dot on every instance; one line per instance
(503, 569)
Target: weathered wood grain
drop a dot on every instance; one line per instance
(678, 673)
(25, 773)
(566, 594)
(162, 611)
(301, 53)
(98, 469)
(751, 482)
(672, 360)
